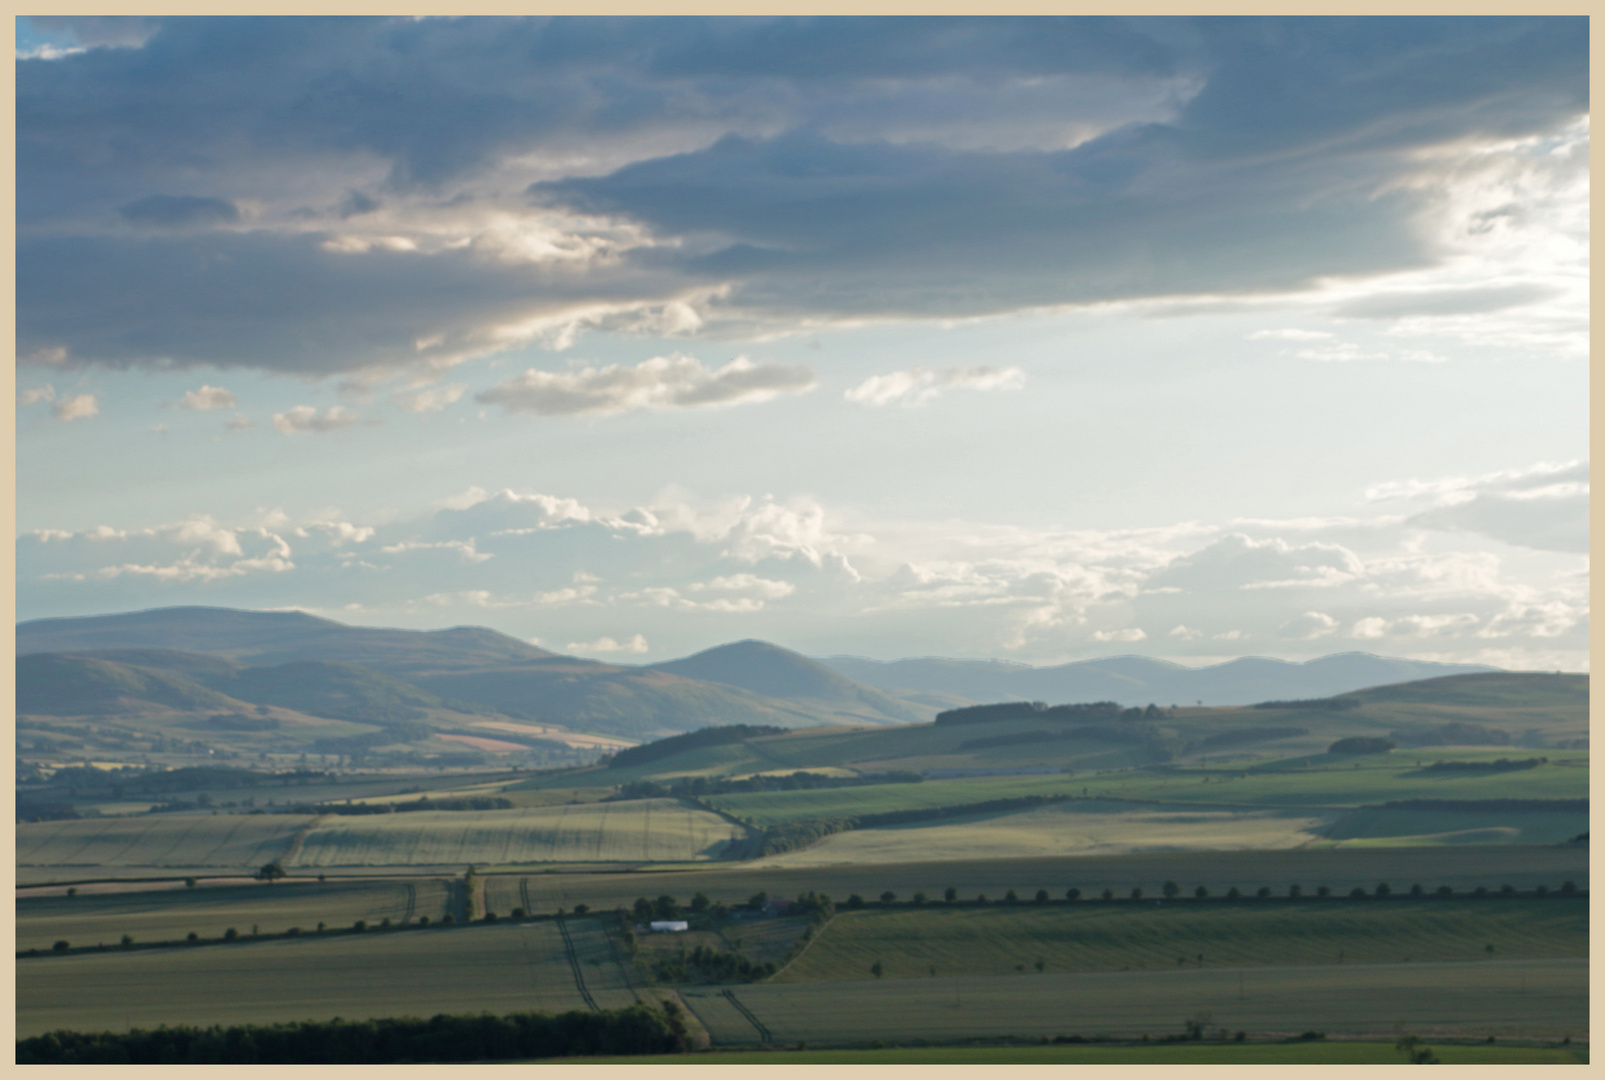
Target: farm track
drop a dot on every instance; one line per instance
(293, 848)
(523, 893)
(764, 1034)
(627, 969)
(574, 966)
(412, 903)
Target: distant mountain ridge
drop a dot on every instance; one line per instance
(1140, 680)
(219, 657)
(326, 668)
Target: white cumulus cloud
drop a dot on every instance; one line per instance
(208, 398)
(306, 418)
(663, 382)
(78, 407)
(432, 399)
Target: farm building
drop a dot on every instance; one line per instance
(669, 926)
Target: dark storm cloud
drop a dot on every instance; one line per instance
(179, 212)
(812, 168)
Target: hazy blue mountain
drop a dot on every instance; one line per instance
(780, 673)
(326, 668)
(1139, 680)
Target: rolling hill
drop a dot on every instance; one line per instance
(276, 637)
(762, 668)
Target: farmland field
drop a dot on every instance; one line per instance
(1506, 998)
(1312, 781)
(240, 841)
(88, 919)
(501, 969)
(1347, 1052)
(1376, 826)
(1461, 867)
(648, 830)
(1076, 828)
(998, 940)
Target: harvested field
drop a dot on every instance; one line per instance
(1093, 827)
(646, 830)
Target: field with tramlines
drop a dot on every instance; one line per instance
(1058, 937)
(644, 830)
(232, 841)
(1545, 999)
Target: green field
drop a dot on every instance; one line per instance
(1530, 999)
(90, 918)
(1319, 781)
(1202, 1053)
(1413, 828)
(1002, 940)
(501, 969)
(648, 830)
(228, 841)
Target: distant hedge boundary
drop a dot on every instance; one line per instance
(1553, 806)
(635, 1030)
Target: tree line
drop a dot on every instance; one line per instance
(635, 1030)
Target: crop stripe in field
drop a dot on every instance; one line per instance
(175, 845)
(574, 965)
(763, 1032)
(292, 850)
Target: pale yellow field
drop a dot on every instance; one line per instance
(1081, 828)
(645, 830)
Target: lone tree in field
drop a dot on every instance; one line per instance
(1200, 892)
(888, 896)
(950, 894)
(271, 872)
(1171, 890)
(876, 969)
(699, 903)
(1042, 896)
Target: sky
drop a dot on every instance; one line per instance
(1032, 339)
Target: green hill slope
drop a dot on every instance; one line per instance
(635, 703)
(53, 684)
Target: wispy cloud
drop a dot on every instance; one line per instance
(663, 382)
(917, 386)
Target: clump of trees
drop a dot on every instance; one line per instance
(1362, 744)
(693, 740)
